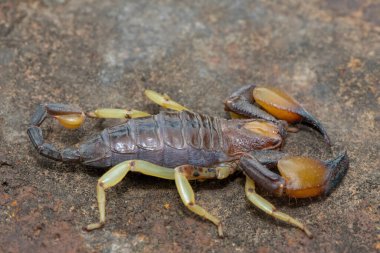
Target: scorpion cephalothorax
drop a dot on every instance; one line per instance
(185, 145)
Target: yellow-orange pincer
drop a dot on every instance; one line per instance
(305, 177)
(278, 103)
(282, 106)
(71, 121)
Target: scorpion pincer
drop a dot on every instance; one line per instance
(182, 145)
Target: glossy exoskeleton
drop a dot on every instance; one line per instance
(182, 145)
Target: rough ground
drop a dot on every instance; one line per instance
(94, 53)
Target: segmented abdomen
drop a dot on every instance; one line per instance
(169, 139)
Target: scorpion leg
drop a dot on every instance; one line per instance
(164, 101)
(270, 209)
(182, 176)
(112, 113)
(116, 174)
(275, 102)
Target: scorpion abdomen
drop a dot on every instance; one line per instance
(169, 139)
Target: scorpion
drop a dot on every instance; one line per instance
(181, 145)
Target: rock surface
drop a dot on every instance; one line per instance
(94, 53)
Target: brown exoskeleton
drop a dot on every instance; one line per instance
(184, 145)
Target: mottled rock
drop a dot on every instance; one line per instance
(94, 53)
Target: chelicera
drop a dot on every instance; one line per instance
(182, 145)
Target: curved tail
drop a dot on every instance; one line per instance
(68, 116)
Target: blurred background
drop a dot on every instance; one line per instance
(94, 53)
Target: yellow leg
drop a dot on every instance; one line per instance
(182, 175)
(164, 101)
(267, 207)
(116, 174)
(110, 113)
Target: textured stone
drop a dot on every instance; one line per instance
(94, 53)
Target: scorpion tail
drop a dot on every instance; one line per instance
(68, 116)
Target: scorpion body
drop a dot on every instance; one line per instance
(185, 145)
(170, 139)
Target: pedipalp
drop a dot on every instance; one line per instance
(277, 105)
(299, 176)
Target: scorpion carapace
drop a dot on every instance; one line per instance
(184, 145)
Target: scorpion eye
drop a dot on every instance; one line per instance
(70, 121)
